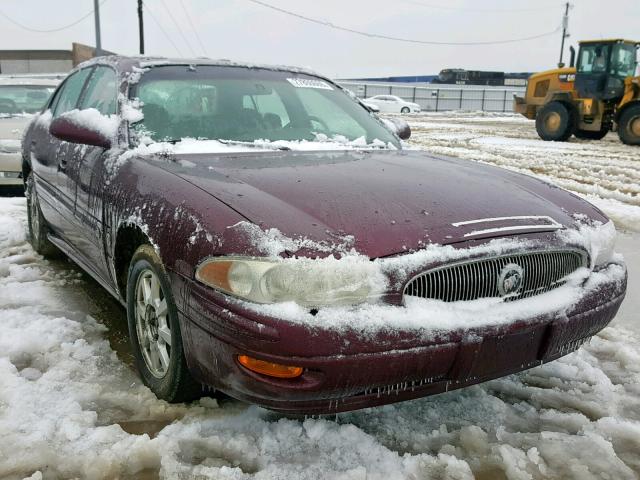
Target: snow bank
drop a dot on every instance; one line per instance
(69, 408)
(604, 172)
(62, 389)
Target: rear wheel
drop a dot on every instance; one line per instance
(155, 330)
(555, 121)
(591, 135)
(405, 110)
(629, 125)
(37, 224)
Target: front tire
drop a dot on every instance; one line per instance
(405, 110)
(154, 329)
(555, 122)
(38, 228)
(629, 125)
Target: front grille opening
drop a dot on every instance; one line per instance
(541, 272)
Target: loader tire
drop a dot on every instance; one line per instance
(629, 125)
(591, 135)
(555, 122)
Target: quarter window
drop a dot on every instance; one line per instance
(68, 97)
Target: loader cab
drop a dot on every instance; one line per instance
(603, 66)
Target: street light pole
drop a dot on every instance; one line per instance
(140, 27)
(96, 14)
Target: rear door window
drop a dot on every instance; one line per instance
(68, 97)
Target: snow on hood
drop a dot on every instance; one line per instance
(389, 201)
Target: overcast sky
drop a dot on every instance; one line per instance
(241, 30)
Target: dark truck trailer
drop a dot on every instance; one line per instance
(459, 76)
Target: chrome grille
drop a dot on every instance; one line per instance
(469, 280)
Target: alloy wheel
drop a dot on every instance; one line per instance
(152, 326)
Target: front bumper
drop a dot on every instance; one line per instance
(347, 371)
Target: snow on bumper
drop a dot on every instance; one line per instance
(350, 368)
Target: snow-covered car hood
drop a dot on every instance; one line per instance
(388, 201)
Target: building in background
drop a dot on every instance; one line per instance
(44, 61)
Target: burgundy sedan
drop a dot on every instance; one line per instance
(272, 238)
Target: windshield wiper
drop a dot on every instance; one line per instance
(265, 145)
(255, 145)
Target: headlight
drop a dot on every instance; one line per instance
(308, 282)
(603, 242)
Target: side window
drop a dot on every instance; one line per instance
(102, 91)
(68, 96)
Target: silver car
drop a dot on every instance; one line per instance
(20, 98)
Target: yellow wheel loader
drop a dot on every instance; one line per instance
(601, 93)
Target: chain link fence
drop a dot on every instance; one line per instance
(436, 98)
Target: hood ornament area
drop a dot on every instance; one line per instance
(510, 280)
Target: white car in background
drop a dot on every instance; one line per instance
(20, 98)
(371, 106)
(392, 104)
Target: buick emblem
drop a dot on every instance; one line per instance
(510, 280)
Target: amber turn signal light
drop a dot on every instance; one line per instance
(269, 368)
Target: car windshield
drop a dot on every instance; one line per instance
(16, 99)
(248, 104)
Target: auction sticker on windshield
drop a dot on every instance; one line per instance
(309, 83)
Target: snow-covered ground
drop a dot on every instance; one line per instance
(72, 407)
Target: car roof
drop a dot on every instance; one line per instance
(131, 63)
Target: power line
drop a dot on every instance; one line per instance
(175, 22)
(193, 27)
(476, 10)
(153, 17)
(396, 39)
(37, 30)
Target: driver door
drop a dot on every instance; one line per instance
(86, 172)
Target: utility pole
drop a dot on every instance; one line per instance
(565, 26)
(96, 14)
(140, 27)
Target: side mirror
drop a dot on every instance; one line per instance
(399, 127)
(71, 128)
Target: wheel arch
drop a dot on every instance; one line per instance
(625, 107)
(564, 98)
(129, 237)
